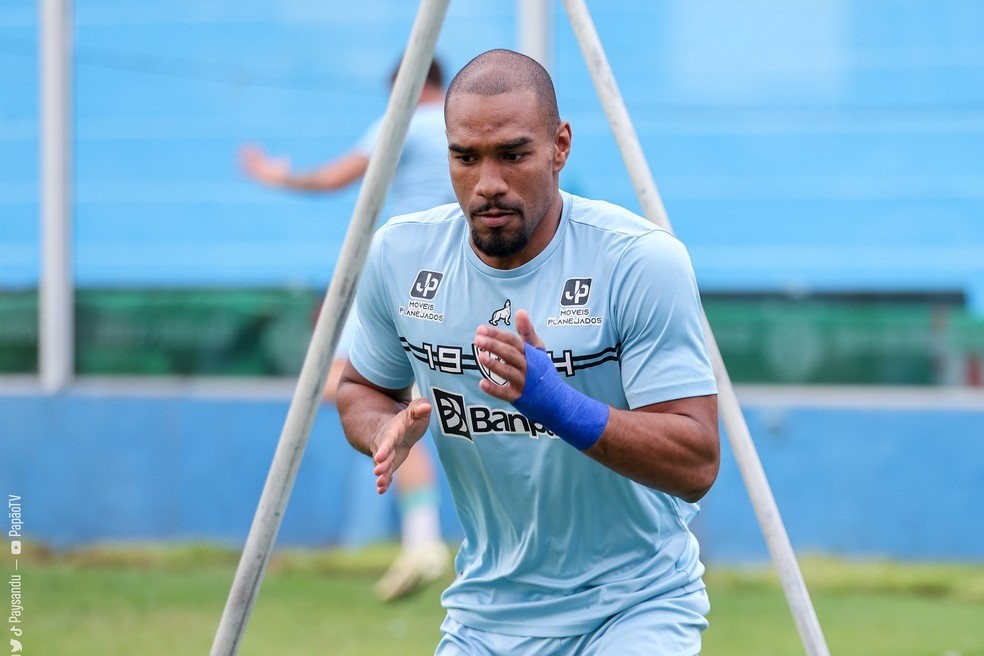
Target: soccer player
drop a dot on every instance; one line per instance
(558, 344)
(421, 181)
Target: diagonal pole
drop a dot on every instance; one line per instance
(734, 421)
(311, 383)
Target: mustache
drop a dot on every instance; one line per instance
(495, 205)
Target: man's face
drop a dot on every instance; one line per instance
(505, 157)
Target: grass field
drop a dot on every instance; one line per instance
(163, 601)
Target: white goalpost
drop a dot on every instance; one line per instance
(314, 372)
(310, 385)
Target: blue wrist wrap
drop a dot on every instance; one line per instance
(576, 418)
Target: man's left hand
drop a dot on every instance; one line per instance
(503, 352)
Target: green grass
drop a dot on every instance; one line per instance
(128, 600)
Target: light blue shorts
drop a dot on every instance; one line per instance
(661, 626)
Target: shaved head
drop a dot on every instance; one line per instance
(502, 71)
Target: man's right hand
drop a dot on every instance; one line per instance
(396, 439)
(255, 163)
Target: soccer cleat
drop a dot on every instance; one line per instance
(414, 567)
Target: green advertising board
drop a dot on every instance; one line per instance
(224, 332)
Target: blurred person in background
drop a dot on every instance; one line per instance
(421, 181)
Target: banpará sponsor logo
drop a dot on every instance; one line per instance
(458, 419)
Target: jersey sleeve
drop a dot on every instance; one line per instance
(377, 352)
(658, 317)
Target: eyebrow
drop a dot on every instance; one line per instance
(509, 145)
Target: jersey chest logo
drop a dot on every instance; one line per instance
(574, 309)
(576, 292)
(422, 292)
(426, 285)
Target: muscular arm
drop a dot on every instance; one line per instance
(672, 446)
(335, 175)
(383, 424)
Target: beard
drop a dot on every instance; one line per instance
(500, 245)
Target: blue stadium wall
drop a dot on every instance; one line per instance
(818, 145)
(895, 476)
(825, 145)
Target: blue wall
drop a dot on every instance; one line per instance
(96, 465)
(827, 144)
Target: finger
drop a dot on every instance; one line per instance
(383, 483)
(498, 334)
(419, 411)
(525, 329)
(514, 375)
(385, 447)
(385, 467)
(384, 459)
(384, 476)
(510, 351)
(507, 393)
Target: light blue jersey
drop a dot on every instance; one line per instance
(555, 542)
(422, 180)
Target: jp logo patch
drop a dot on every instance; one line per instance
(576, 292)
(426, 285)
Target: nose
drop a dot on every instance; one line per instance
(491, 182)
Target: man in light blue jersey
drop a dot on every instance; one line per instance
(558, 344)
(421, 181)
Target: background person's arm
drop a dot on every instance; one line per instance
(275, 172)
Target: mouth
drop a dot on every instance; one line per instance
(494, 218)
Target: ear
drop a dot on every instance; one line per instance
(562, 145)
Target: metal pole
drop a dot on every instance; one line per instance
(311, 384)
(536, 30)
(746, 456)
(56, 312)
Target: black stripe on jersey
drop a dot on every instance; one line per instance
(447, 359)
(456, 360)
(569, 364)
